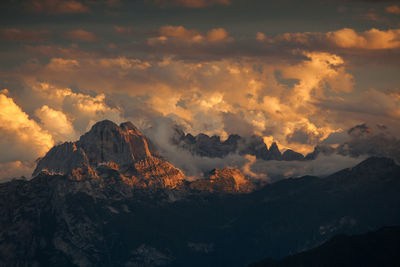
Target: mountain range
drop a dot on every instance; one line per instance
(110, 199)
(213, 147)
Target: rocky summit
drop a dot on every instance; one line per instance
(108, 147)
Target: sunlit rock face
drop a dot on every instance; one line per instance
(227, 180)
(108, 142)
(63, 159)
(123, 149)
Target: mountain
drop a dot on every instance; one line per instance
(110, 199)
(227, 180)
(213, 147)
(378, 248)
(107, 147)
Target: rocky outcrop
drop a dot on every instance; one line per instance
(63, 159)
(108, 142)
(227, 180)
(290, 155)
(121, 148)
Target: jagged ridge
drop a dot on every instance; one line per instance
(213, 147)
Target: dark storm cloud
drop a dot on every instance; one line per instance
(303, 136)
(372, 144)
(359, 130)
(236, 124)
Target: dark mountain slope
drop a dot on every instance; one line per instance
(379, 248)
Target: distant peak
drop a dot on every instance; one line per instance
(104, 124)
(128, 125)
(274, 145)
(376, 162)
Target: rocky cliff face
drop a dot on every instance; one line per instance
(121, 148)
(227, 180)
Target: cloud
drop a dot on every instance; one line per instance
(16, 169)
(192, 3)
(56, 123)
(346, 38)
(123, 30)
(216, 44)
(58, 51)
(371, 141)
(394, 9)
(81, 35)
(214, 97)
(72, 109)
(322, 166)
(371, 39)
(22, 138)
(305, 135)
(179, 35)
(217, 35)
(56, 7)
(180, 32)
(247, 169)
(24, 35)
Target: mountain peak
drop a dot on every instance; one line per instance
(376, 163)
(108, 142)
(274, 153)
(124, 147)
(104, 124)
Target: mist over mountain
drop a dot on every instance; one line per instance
(112, 199)
(198, 154)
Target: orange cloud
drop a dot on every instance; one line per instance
(56, 7)
(123, 30)
(217, 35)
(192, 3)
(24, 35)
(22, 138)
(395, 9)
(16, 169)
(180, 33)
(81, 35)
(197, 94)
(372, 39)
(56, 123)
(347, 38)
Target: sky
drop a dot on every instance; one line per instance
(298, 73)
